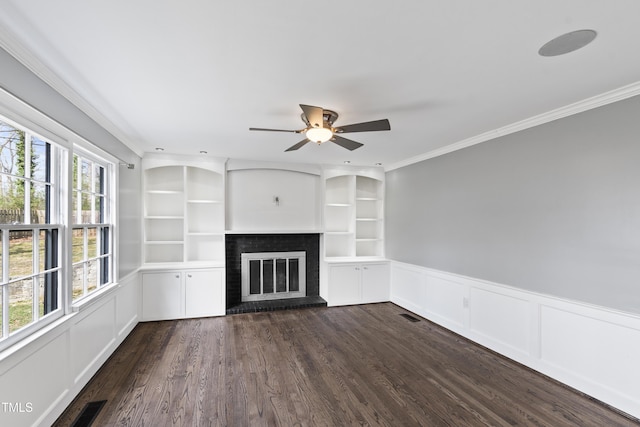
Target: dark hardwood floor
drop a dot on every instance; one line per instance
(356, 365)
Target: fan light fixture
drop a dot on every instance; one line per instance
(319, 135)
(319, 128)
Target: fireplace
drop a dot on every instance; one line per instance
(273, 275)
(272, 247)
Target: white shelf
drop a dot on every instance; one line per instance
(205, 234)
(164, 192)
(353, 216)
(183, 212)
(164, 242)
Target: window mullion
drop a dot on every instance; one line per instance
(98, 256)
(5, 279)
(27, 178)
(92, 193)
(85, 257)
(35, 281)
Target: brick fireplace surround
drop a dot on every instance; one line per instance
(237, 244)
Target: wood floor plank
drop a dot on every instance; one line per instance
(355, 365)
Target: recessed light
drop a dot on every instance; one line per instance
(203, 152)
(347, 162)
(378, 164)
(567, 43)
(159, 149)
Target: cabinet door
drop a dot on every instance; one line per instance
(344, 285)
(162, 296)
(375, 283)
(204, 293)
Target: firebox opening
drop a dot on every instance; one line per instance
(273, 275)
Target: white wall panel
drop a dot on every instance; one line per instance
(445, 299)
(593, 349)
(251, 204)
(500, 319)
(127, 305)
(407, 288)
(48, 371)
(36, 383)
(91, 336)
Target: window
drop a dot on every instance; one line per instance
(55, 250)
(30, 227)
(91, 231)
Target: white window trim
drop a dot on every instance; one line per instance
(11, 338)
(110, 215)
(16, 112)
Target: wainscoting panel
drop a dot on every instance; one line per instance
(407, 287)
(40, 378)
(445, 299)
(500, 319)
(126, 307)
(91, 336)
(592, 349)
(37, 383)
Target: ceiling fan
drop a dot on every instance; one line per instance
(319, 128)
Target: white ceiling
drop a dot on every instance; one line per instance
(194, 75)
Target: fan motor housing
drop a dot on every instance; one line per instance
(328, 117)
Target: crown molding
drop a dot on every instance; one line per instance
(610, 97)
(15, 48)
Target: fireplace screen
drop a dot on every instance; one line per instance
(273, 275)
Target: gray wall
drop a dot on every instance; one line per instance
(554, 209)
(20, 82)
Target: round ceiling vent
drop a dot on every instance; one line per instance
(567, 43)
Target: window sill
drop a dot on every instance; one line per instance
(94, 298)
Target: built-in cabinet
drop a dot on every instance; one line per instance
(355, 270)
(360, 283)
(183, 223)
(184, 231)
(183, 212)
(353, 214)
(178, 294)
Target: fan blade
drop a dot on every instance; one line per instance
(276, 130)
(346, 143)
(365, 126)
(314, 115)
(298, 145)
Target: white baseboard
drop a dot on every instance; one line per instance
(592, 349)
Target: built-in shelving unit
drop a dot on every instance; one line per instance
(353, 216)
(339, 216)
(183, 211)
(369, 217)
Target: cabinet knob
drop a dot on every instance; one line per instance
(177, 276)
(357, 268)
(188, 275)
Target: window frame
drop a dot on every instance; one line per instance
(104, 229)
(20, 115)
(54, 224)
